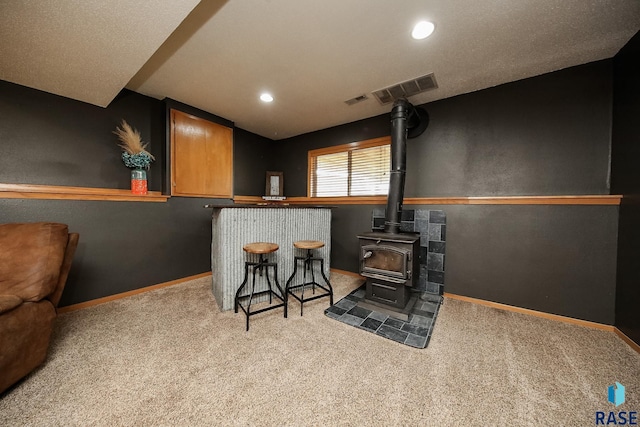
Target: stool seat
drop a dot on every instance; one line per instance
(308, 244)
(260, 248)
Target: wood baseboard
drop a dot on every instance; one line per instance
(530, 312)
(626, 339)
(550, 316)
(99, 301)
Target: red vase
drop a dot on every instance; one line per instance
(138, 181)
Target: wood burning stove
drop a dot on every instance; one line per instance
(390, 264)
(389, 259)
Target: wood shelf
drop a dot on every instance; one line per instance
(51, 192)
(502, 200)
(518, 200)
(32, 191)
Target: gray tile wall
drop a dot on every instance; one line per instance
(432, 226)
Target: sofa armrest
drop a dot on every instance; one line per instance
(31, 255)
(9, 302)
(72, 244)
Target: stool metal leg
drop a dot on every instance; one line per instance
(286, 286)
(264, 264)
(326, 280)
(260, 267)
(304, 283)
(275, 278)
(244, 283)
(313, 277)
(307, 263)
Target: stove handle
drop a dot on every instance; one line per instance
(367, 255)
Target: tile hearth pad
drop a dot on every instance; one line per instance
(415, 333)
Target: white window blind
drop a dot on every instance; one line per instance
(358, 169)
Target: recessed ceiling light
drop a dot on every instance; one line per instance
(422, 30)
(266, 97)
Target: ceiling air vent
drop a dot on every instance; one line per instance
(406, 89)
(357, 99)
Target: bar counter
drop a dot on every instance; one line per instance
(233, 226)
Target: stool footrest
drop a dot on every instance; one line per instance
(293, 288)
(248, 311)
(328, 292)
(257, 294)
(307, 299)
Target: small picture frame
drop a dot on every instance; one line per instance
(275, 184)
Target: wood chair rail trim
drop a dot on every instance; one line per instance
(613, 200)
(52, 192)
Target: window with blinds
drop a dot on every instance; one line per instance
(356, 169)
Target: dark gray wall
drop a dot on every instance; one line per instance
(251, 157)
(124, 245)
(47, 139)
(556, 259)
(548, 135)
(625, 179)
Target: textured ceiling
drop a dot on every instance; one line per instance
(84, 49)
(312, 55)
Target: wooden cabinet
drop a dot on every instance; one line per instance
(201, 157)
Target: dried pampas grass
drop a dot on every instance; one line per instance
(130, 140)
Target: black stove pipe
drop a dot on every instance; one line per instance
(405, 119)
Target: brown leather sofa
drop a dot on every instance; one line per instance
(35, 259)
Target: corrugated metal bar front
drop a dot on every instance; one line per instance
(232, 228)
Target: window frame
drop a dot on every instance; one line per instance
(343, 148)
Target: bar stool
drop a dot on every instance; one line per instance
(260, 248)
(308, 261)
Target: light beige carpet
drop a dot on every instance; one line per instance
(170, 357)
